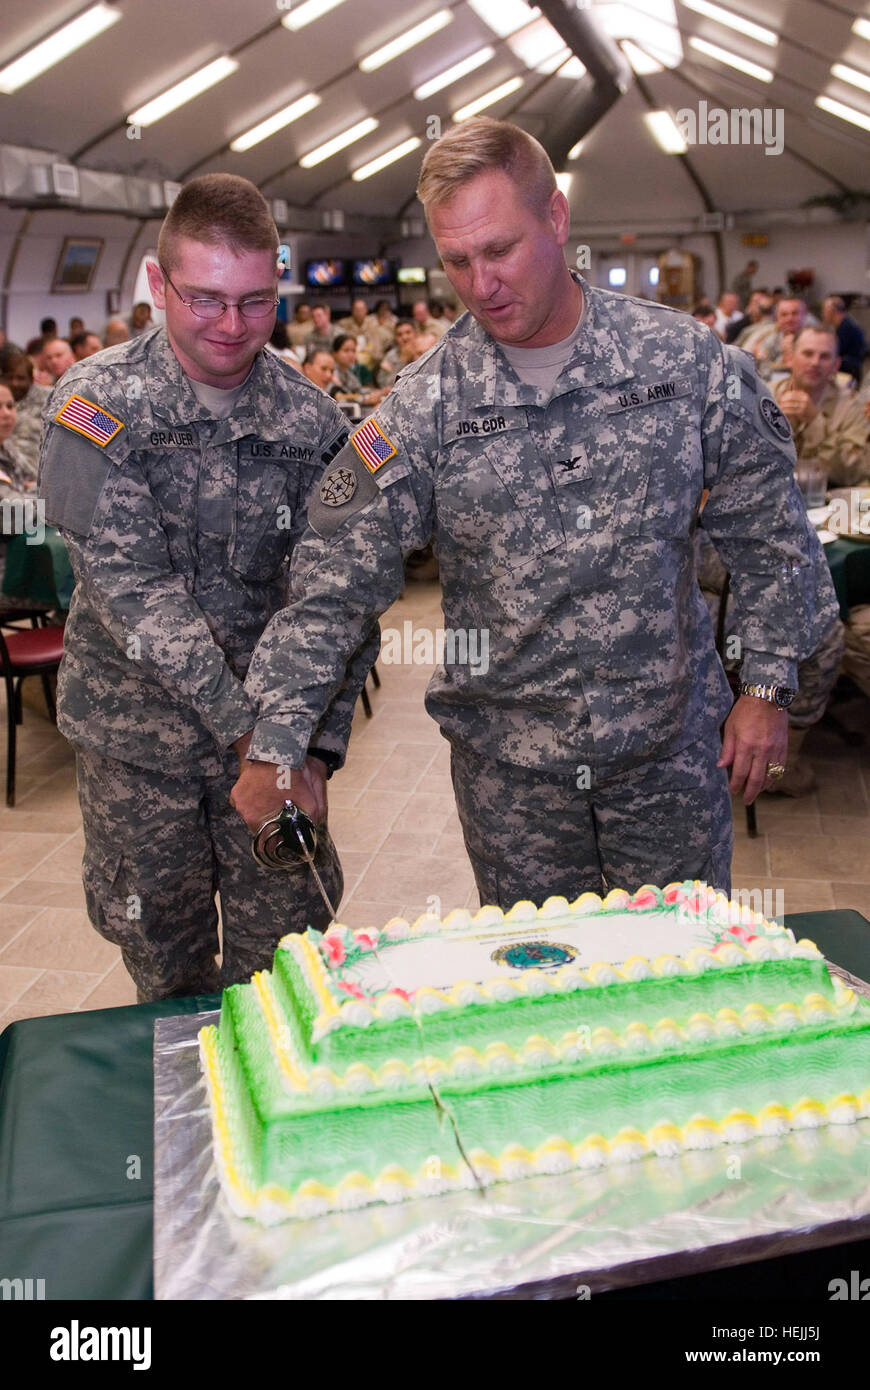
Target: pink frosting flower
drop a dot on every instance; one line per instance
(402, 993)
(741, 933)
(644, 900)
(365, 941)
(351, 989)
(334, 949)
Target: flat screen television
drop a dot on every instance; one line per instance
(374, 272)
(322, 275)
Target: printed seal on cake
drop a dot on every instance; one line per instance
(534, 955)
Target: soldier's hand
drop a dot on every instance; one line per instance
(258, 795)
(756, 733)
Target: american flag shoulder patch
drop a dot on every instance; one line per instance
(373, 446)
(89, 419)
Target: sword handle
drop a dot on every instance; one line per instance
(285, 840)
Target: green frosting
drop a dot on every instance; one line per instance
(329, 1126)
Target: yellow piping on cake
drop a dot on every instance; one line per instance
(556, 1154)
(278, 1033)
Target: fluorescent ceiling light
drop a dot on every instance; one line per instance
(536, 44)
(504, 16)
(846, 113)
(851, 75)
(338, 142)
(450, 75)
(58, 45)
(430, 26)
(573, 67)
(663, 127)
(281, 118)
(861, 27)
(307, 13)
(374, 166)
(182, 92)
(733, 21)
(574, 152)
(488, 99)
(563, 182)
(721, 55)
(652, 25)
(641, 63)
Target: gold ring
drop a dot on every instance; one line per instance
(775, 770)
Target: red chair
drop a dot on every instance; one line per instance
(33, 651)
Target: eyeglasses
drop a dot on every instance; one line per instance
(257, 307)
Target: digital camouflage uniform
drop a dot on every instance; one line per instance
(817, 674)
(564, 529)
(178, 528)
(27, 434)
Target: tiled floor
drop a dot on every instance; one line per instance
(393, 818)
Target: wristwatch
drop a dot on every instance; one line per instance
(778, 695)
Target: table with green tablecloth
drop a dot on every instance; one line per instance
(76, 1145)
(849, 563)
(39, 570)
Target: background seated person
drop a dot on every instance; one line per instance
(140, 319)
(41, 375)
(346, 385)
(279, 343)
(758, 314)
(363, 326)
(17, 477)
(817, 675)
(322, 332)
(827, 422)
(705, 313)
(30, 399)
(319, 367)
(57, 356)
(405, 349)
(851, 343)
(116, 333)
(766, 345)
(300, 328)
(84, 345)
(426, 323)
(386, 321)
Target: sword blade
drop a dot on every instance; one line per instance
(323, 893)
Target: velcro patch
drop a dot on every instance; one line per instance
(89, 419)
(373, 446)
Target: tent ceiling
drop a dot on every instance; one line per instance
(79, 107)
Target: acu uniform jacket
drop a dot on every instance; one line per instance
(564, 526)
(178, 527)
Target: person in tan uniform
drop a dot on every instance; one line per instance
(828, 424)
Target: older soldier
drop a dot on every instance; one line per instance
(827, 422)
(558, 441)
(178, 467)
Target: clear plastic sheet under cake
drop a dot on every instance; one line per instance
(552, 1237)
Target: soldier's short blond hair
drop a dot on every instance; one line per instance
(221, 210)
(479, 146)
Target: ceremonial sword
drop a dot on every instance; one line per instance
(285, 839)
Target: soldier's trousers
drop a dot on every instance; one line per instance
(157, 849)
(532, 835)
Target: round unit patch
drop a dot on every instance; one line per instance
(774, 419)
(534, 955)
(338, 487)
